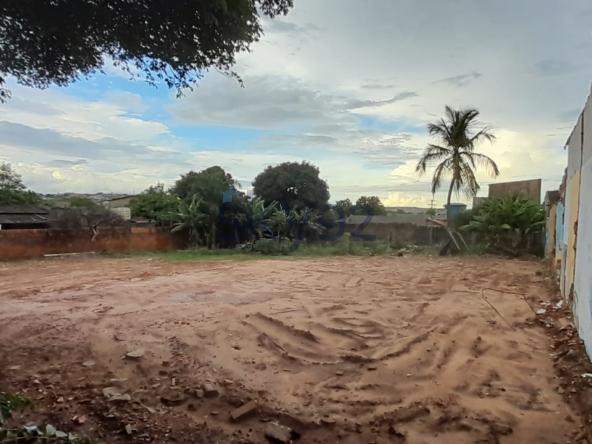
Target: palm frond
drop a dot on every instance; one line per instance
(431, 153)
(486, 162)
(438, 173)
(469, 180)
(484, 133)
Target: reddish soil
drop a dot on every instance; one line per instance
(351, 350)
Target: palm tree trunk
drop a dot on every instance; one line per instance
(448, 218)
(450, 193)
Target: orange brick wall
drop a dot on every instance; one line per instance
(20, 244)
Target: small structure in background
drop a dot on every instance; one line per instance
(438, 213)
(23, 217)
(398, 229)
(120, 206)
(530, 189)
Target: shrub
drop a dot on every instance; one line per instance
(273, 247)
(509, 225)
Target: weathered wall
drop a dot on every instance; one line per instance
(572, 202)
(583, 254)
(398, 234)
(528, 188)
(551, 229)
(20, 244)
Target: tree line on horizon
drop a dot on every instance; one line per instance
(290, 201)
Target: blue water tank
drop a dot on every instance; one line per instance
(454, 209)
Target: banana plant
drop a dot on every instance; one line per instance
(508, 223)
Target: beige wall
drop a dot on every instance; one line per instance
(528, 188)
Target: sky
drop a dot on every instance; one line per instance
(348, 85)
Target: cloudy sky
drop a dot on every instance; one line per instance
(346, 84)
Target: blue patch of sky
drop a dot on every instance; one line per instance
(217, 137)
(395, 126)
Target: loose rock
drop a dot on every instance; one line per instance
(243, 411)
(135, 354)
(210, 391)
(278, 433)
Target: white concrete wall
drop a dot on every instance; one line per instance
(583, 254)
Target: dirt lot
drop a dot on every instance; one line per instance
(353, 350)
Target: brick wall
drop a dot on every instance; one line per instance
(20, 244)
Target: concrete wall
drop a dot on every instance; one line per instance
(551, 230)
(572, 202)
(398, 234)
(528, 188)
(21, 244)
(582, 280)
(573, 227)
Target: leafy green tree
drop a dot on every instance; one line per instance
(329, 218)
(45, 42)
(344, 208)
(209, 186)
(369, 205)
(456, 154)
(193, 219)
(156, 204)
(82, 202)
(292, 185)
(12, 189)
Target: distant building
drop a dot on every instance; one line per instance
(120, 206)
(530, 189)
(397, 229)
(439, 212)
(20, 217)
(393, 218)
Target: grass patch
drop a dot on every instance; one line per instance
(197, 254)
(269, 248)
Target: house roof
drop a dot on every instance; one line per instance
(22, 209)
(19, 215)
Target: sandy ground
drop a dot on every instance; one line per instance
(353, 350)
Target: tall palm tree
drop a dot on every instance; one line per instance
(456, 153)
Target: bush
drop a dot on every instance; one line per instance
(509, 225)
(273, 247)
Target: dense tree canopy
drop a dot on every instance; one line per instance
(82, 202)
(344, 208)
(12, 189)
(44, 42)
(208, 184)
(293, 185)
(155, 204)
(370, 205)
(203, 191)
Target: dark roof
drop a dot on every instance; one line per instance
(22, 209)
(22, 219)
(23, 215)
